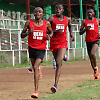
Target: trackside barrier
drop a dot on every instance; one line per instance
(10, 40)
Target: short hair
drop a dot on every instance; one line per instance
(90, 9)
(60, 5)
(38, 7)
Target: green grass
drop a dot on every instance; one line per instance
(16, 66)
(42, 64)
(86, 91)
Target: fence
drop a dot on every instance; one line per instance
(13, 45)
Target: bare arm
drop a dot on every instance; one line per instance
(82, 29)
(49, 29)
(98, 21)
(24, 33)
(51, 18)
(70, 28)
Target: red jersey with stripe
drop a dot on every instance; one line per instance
(93, 32)
(58, 40)
(37, 39)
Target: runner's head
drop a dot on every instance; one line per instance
(38, 13)
(90, 13)
(59, 9)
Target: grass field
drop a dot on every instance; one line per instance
(42, 64)
(89, 90)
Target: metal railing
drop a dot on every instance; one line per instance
(75, 49)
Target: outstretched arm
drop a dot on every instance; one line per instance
(70, 28)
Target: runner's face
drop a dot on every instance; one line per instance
(90, 13)
(38, 13)
(59, 10)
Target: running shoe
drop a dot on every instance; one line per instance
(30, 71)
(40, 73)
(54, 88)
(34, 95)
(54, 67)
(96, 74)
(65, 58)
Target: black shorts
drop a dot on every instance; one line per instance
(90, 44)
(35, 53)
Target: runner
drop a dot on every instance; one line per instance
(58, 42)
(37, 38)
(92, 38)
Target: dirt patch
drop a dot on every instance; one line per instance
(17, 84)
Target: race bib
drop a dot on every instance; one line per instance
(60, 26)
(92, 26)
(38, 34)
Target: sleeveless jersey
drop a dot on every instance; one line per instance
(58, 40)
(37, 39)
(93, 32)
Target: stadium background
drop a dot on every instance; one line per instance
(17, 83)
(13, 17)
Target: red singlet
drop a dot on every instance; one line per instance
(93, 32)
(37, 39)
(58, 40)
